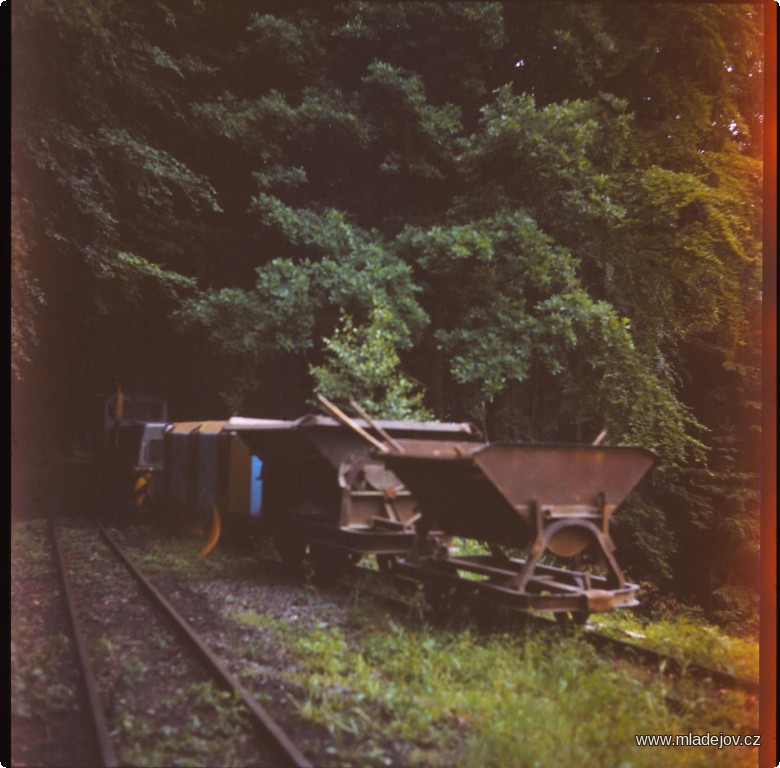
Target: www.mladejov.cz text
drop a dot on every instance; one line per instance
(718, 740)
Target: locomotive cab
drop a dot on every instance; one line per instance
(131, 467)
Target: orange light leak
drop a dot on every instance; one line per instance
(768, 621)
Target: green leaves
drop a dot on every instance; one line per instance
(554, 160)
(158, 174)
(295, 305)
(490, 276)
(362, 362)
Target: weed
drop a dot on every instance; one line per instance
(394, 691)
(160, 641)
(465, 547)
(690, 639)
(257, 620)
(177, 555)
(485, 700)
(37, 688)
(213, 726)
(30, 557)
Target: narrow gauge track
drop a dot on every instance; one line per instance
(671, 664)
(100, 726)
(632, 651)
(277, 741)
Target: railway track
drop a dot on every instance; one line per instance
(280, 748)
(105, 747)
(670, 664)
(648, 657)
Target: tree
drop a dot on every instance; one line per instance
(547, 215)
(362, 363)
(684, 264)
(105, 211)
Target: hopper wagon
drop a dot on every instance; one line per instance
(550, 503)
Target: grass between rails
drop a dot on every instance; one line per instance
(183, 722)
(177, 554)
(37, 656)
(197, 725)
(152, 732)
(215, 726)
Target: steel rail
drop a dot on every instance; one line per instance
(672, 664)
(284, 747)
(107, 754)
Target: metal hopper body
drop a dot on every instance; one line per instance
(542, 499)
(322, 486)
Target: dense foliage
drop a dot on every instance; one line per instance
(541, 217)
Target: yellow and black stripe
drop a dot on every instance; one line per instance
(142, 485)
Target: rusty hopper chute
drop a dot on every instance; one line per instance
(554, 499)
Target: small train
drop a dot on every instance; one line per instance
(331, 489)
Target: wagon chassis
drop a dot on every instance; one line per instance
(548, 590)
(386, 537)
(521, 584)
(527, 584)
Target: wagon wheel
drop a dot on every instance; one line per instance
(330, 563)
(387, 564)
(443, 599)
(572, 618)
(491, 616)
(292, 552)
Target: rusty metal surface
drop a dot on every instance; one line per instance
(332, 441)
(564, 476)
(394, 428)
(545, 592)
(543, 499)
(315, 466)
(489, 491)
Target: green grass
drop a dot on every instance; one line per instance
(30, 556)
(177, 554)
(215, 722)
(465, 699)
(37, 687)
(214, 730)
(689, 639)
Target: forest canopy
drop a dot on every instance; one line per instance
(541, 217)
